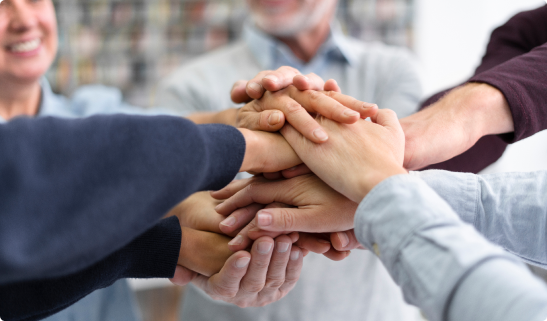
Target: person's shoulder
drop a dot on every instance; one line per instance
(95, 99)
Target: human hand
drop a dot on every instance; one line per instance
(245, 217)
(269, 112)
(357, 157)
(262, 277)
(273, 80)
(266, 152)
(317, 208)
(454, 124)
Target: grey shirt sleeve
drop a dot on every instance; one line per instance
(509, 209)
(433, 255)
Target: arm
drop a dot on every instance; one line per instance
(521, 34)
(56, 170)
(508, 208)
(153, 254)
(443, 265)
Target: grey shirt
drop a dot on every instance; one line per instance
(443, 264)
(375, 73)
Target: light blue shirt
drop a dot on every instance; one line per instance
(443, 264)
(371, 72)
(114, 303)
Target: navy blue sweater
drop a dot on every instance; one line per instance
(80, 202)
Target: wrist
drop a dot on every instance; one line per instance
(373, 178)
(487, 111)
(250, 150)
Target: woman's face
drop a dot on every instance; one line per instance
(28, 39)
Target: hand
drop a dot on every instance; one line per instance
(317, 207)
(258, 279)
(266, 152)
(269, 112)
(245, 91)
(357, 157)
(454, 124)
(203, 249)
(245, 217)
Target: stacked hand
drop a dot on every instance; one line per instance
(256, 278)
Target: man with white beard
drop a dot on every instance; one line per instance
(303, 35)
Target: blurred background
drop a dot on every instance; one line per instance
(131, 44)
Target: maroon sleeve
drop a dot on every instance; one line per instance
(523, 81)
(521, 34)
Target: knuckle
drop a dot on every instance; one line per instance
(274, 282)
(253, 287)
(287, 220)
(224, 291)
(314, 96)
(293, 108)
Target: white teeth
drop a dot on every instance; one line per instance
(26, 46)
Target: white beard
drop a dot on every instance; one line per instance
(300, 21)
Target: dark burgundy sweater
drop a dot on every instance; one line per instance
(516, 63)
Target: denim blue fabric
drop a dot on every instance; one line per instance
(509, 209)
(443, 265)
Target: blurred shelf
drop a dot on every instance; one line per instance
(132, 44)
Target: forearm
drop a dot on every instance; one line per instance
(99, 182)
(426, 248)
(152, 255)
(507, 208)
(226, 117)
(503, 288)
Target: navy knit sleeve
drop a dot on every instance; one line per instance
(154, 254)
(518, 36)
(72, 192)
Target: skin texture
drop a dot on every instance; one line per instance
(454, 124)
(352, 162)
(245, 279)
(21, 21)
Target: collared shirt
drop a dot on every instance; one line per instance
(369, 72)
(444, 265)
(272, 53)
(115, 303)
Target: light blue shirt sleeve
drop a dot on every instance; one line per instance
(509, 209)
(443, 265)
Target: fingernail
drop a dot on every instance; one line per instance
(264, 218)
(230, 221)
(272, 78)
(282, 247)
(274, 118)
(343, 237)
(351, 113)
(292, 169)
(237, 240)
(264, 247)
(320, 134)
(295, 255)
(256, 87)
(254, 229)
(217, 207)
(323, 241)
(242, 262)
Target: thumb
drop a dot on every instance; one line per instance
(388, 119)
(183, 276)
(239, 92)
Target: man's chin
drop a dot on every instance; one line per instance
(280, 27)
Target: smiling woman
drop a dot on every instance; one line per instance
(28, 38)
